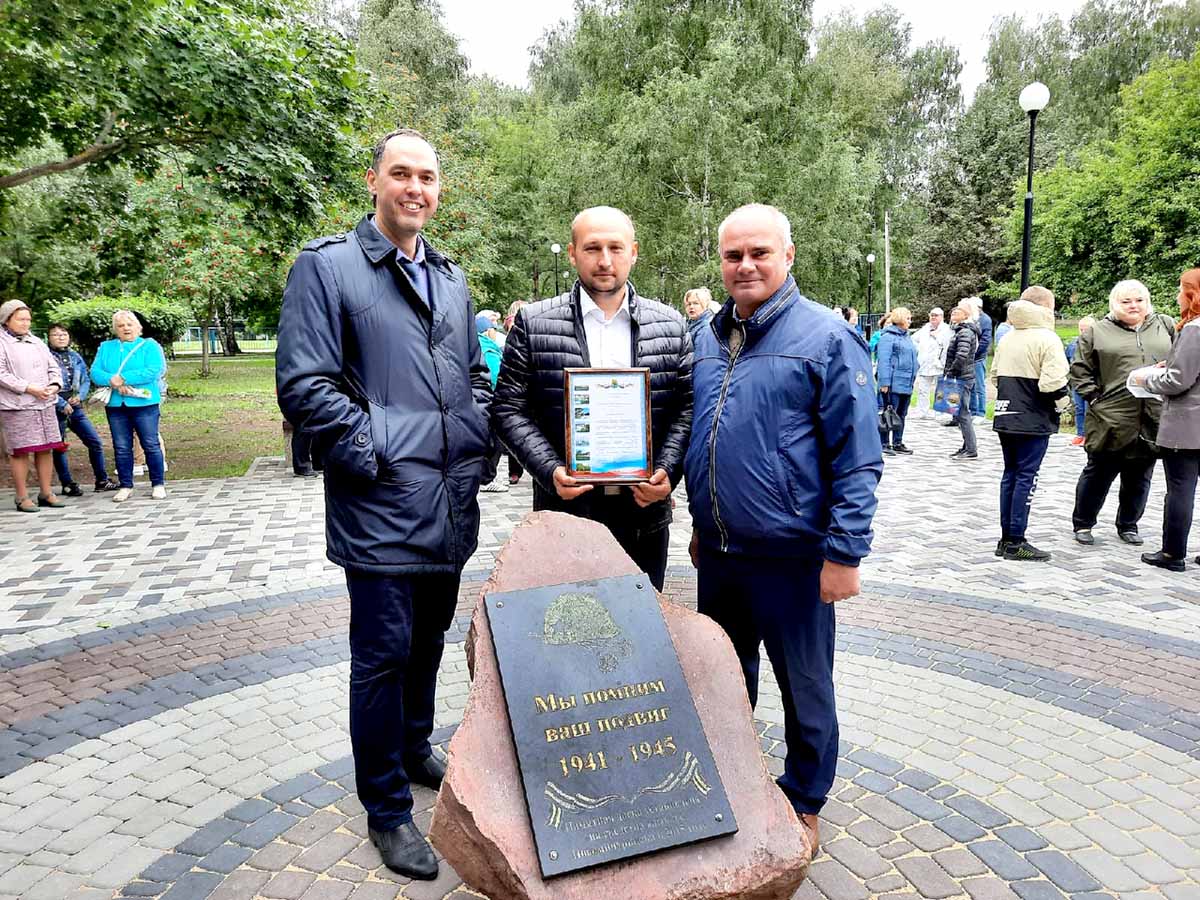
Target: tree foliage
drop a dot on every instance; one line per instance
(1127, 207)
(90, 321)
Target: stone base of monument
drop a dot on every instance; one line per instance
(481, 823)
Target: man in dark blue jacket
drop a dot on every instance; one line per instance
(782, 467)
(379, 363)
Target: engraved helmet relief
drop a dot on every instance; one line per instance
(581, 619)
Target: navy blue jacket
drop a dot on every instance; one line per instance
(897, 360)
(394, 395)
(985, 336)
(784, 455)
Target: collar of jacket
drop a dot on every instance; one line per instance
(762, 318)
(1146, 322)
(378, 248)
(581, 333)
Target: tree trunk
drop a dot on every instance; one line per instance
(229, 339)
(205, 362)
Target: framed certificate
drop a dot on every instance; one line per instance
(607, 415)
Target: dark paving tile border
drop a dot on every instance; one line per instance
(100, 637)
(63, 646)
(1017, 855)
(26, 741)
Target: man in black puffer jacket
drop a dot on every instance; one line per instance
(602, 323)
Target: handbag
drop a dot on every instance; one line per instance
(101, 395)
(949, 395)
(889, 419)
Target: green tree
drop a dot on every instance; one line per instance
(241, 84)
(1129, 207)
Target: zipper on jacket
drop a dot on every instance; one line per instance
(712, 439)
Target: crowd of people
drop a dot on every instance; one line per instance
(44, 393)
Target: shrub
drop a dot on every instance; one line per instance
(90, 321)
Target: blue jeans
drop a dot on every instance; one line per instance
(123, 421)
(1023, 455)
(979, 394)
(1080, 411)
(397, 633)
(79, 423)
(777, 602)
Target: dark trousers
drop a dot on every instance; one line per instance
(397, 632)
(898, 402)
(646, 548)
(1182, 468)
(1023, 455)
(777, 602)
(79, 423)
(123, 421)
(1136, 473)
(302, 461)
(514, 468)
(963, 417)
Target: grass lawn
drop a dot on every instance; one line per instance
(211, 427)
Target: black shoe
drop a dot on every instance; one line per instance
(900, 448)
(953, 423)
(961, 457)
(1002, 545)
(1131, 537)
(406, 852)
(305, 473)
(428, 772)
(887, 451)
(106, 485)
(52, 501)
(959, 452)
(1085, 536)
(1023, 551)
(72, 490)
(1160, 559)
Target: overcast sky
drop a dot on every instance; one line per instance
(496, 36)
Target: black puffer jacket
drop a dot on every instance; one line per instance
(960, 354)
(527, 412)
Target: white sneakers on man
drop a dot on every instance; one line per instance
(158, 492)
(122, 495)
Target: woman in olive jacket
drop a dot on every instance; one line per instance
(1178, 382)
(1120, 429)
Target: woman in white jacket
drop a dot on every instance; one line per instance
(931, 342)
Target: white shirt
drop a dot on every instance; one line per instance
(610, 342)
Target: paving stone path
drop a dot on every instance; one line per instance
(173, 699)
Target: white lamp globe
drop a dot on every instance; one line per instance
(870, 257)
(1035, 97)
(556, 249)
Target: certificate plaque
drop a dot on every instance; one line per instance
(608, 425)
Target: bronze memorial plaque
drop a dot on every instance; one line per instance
(612, 753)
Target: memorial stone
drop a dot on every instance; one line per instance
(481, 824)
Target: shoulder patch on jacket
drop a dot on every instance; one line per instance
(320, 242)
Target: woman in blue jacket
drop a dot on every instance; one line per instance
(133, 366)
(897, 374)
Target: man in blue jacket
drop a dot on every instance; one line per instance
(782, 467)
(379, 363)
(979, 395)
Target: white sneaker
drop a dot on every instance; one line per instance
(980, 420)
(122, 495)
(158, 492)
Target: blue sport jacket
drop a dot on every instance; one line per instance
(393, 390)
(784, 456)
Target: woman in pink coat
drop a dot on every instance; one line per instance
(29, 383)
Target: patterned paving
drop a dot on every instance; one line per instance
(173, 700)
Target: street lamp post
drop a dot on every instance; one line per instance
(555, 249)
(870, 281)
(1033, 100)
